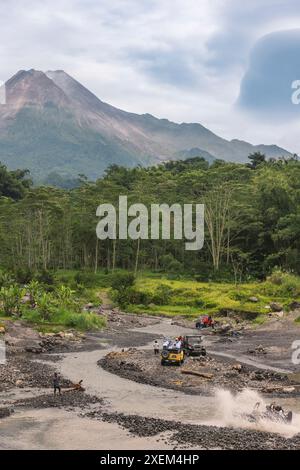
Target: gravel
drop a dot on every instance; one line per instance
(143, 367)
(205, 437)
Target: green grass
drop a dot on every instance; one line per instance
(163, 296)
(190, 298)
(64, 318)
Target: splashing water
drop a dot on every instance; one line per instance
(232, 410)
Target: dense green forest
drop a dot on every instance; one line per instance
(252, 219)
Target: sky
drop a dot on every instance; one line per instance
(223, 63)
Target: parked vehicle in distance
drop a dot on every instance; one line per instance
(205, 321)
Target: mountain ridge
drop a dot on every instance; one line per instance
(51, 122)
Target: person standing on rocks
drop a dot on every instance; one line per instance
(156, 347)
(56, 384)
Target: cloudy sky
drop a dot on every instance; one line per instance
(225, 64)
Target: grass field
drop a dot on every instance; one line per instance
(190, 298)
(158, 294)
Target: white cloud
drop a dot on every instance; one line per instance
(180, 59)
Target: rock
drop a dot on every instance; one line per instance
(19, 383)
(276, 314)
(69, 335)
(294, 305)
(47, 335)
(5, 412)
(256, 376)
(26, 299)
(230, 374)
(88, 306)
(253, 299)
(288, 389)
(60, 334)
(257, 350)
(34, 349)
(237, 367)
(2, 330)
(276, 307)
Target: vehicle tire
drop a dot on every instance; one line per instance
(203, 352)
(164, 354)
(162, 362)
(289, 417)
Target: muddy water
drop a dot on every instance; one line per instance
(129, 397)
(58, 429)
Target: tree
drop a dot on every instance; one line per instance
(256, 159)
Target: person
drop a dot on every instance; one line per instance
(166, 343)
(156, 347)
(56, 384)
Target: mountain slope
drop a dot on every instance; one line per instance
(50, 122)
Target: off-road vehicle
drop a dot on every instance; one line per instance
(192, 345)
(172, 355)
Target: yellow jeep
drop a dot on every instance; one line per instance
(172, 356)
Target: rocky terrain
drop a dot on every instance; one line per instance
(124, 351)
(212, 372)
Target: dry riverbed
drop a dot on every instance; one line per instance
(130, 396)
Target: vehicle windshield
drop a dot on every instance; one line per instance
(194, 339)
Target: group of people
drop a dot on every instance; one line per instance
(168, 343)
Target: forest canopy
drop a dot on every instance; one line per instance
(252, 219)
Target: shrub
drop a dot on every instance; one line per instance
(6, 279)
(282, 283)
(121, 281)
(276, 277)
(35, 290)
(10, 299)
(170, 264)
(85, 321)
(65, 296)
(45, 277)
(86, 279)
(162, 295)
(45, 305)
(23, 275)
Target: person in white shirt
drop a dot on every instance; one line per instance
(156, 347)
